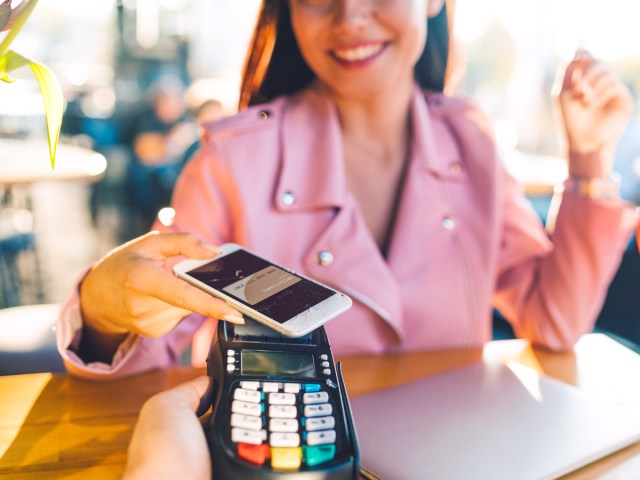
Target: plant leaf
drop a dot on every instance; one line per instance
(53, 105)
(9, 62)
(49, 89)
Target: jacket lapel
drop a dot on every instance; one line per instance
(425, 211)
(313, 169)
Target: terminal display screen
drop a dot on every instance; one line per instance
(288, 364)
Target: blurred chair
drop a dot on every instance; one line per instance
(12, 245)
(27, 340)
(20, 280)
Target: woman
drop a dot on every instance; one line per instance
(356, 173)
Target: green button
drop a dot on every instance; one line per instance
(317, 454)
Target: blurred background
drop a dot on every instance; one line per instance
(138, 76)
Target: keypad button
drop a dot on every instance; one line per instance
(291, 387)
(311, 387)
(257, 454)
(247, 408)
(252, 396)
(231, 360)
(324, 357)
(321, 438)
(317, 397)
(231, 368)
(320, 423)
(282, 399)
(248, 385)
(246, 436)
(321, 410)
(326, 371)
(231, 352)
(317, 454)
(286, 458)
(283, 411)
(280, 439)
(284, 425)
(246, 421)
(270, 387)
(325, 365)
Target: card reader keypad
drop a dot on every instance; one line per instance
(287, 424)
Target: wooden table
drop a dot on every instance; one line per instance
(54, 426)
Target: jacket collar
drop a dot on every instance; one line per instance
(313, 174)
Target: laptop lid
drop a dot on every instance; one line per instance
(487, 421)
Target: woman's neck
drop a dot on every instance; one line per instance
(378, 125)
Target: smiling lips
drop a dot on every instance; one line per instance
(358, 54)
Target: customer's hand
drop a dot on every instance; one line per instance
(168, 440)
(595, 106)
(129, 291)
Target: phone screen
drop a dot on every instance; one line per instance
(262, 286)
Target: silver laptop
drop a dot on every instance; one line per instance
(487, 421)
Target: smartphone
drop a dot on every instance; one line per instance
(288, 302)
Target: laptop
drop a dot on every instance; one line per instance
(487, 421)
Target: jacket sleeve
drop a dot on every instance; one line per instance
(551, 288)
(134, 355)
(200, 204)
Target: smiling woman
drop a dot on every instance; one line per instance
(279, 63)
(396, 198)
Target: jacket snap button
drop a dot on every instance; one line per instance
(325, 258)
(288, 198)
(448, 222)
(264, 114)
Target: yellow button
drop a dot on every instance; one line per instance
(286, 458)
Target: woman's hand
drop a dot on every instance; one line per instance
(168, 440)
(129, 290)
(595, 106)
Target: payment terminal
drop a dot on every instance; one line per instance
(280, 409)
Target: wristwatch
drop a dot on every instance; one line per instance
(596, 188)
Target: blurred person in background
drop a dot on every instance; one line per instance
(350, 165)
(206, 112)
(160, 136)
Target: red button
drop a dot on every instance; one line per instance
(257, 454)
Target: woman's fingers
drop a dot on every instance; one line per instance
(161, 246)
(149, 279)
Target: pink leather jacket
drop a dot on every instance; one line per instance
(465, 240)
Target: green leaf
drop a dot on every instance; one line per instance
(53, 105)
(10, 62)
(49, 89)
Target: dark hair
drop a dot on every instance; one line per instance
(274, 64)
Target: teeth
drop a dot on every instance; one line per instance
(359, 53)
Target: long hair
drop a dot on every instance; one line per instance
(274, 65)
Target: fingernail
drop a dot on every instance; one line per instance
(582, 53)
(233, 318)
